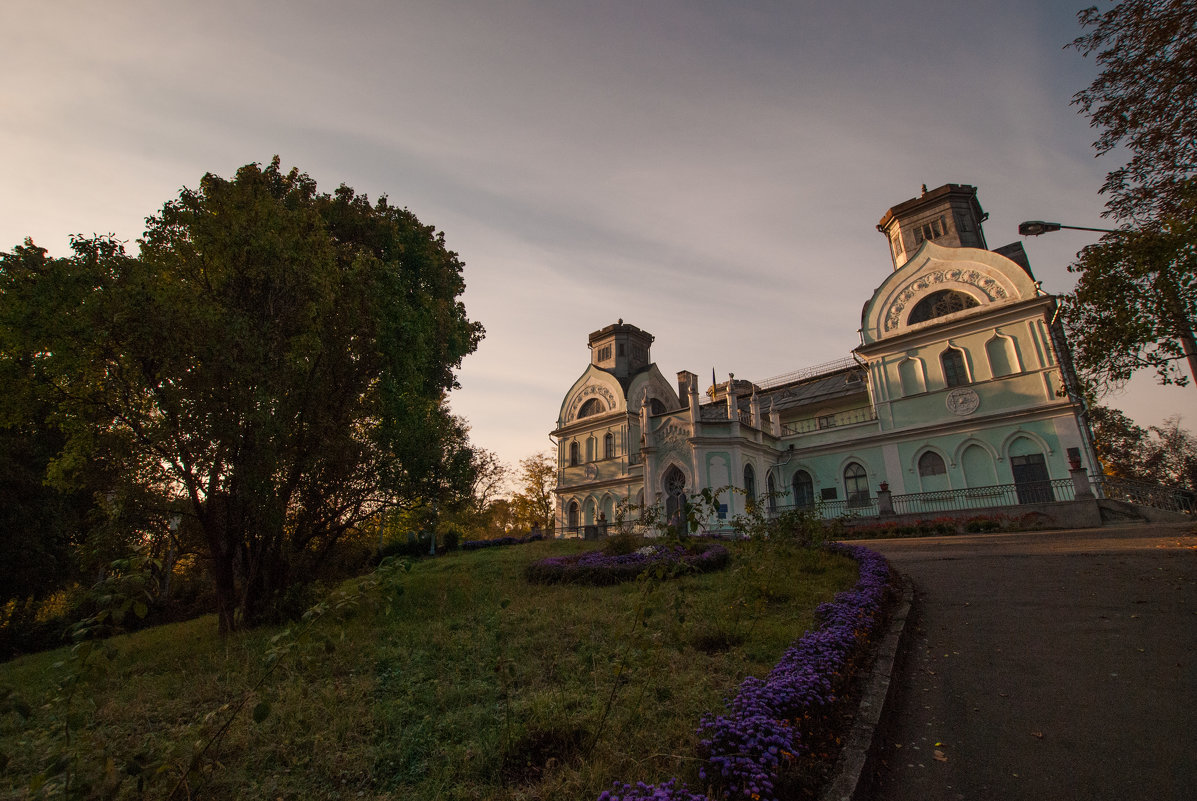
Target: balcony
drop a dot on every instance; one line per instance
(864, 414)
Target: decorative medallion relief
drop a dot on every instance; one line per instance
(988, 286)
(588, 392)
(591, 471)
(962, 402)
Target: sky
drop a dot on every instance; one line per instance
(712, 172)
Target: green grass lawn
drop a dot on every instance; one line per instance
(471, 684)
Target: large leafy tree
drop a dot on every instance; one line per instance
(1144, 100)
(1135, 304)
(275, 358)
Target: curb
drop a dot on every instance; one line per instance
(875, 696)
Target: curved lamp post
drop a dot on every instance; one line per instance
(1037, 227)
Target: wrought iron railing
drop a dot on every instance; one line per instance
(829, 510)
(1060, 489)
(1157, 496)
(862, 415)
(807, 372)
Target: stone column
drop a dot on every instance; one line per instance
(1080, 483)
(885, 501)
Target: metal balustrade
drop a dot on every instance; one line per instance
(864, 414)
(1158, 496)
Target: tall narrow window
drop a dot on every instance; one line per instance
(674, 485)
(572, 516)
(804, 490)
(591, 442)
(1003, 359)
(954, 372)
(856, 485)
(771, 492)
(910, 373)
(574, 456)
(609, 446)
(750, 485)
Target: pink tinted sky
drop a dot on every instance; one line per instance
(709, 171)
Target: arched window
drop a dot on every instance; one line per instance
(673, 483)
(655, 406)
(931, 464)
(933, 473)
(591, 446)
(1003, 359)
(574, 455)
(910, 373)
(750, 485)
(856, 485)
(592, 406)
(572, 516)
(954, 372)
(938, 304)
(609, 446)
(804, 490)
(771, 491)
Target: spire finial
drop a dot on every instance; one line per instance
(924, 190)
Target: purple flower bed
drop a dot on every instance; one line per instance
(596, 567)
(473, 545)
(746, 747)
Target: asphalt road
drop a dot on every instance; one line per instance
(1047, 666)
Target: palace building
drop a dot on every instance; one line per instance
(961, 381)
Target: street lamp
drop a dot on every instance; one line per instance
(1037, 227)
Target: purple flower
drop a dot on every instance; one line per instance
(746, 746)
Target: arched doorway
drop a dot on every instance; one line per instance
(804, 490)
(1031, 480)
(673, 485)
(571, 517)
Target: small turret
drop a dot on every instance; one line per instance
(621, 349)
(949, 215)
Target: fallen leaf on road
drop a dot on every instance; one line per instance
(1038, 734)
(941, 756)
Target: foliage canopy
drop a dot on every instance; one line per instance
(273, 365)
(1144, 100)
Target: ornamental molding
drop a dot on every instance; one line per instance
(673, 439)
(974, 278)
(962, 402)
(673, 431)
(586, 393)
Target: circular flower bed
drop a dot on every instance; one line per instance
(596, 567)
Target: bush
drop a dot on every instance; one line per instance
(598, 568)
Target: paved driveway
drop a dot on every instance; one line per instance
(1047, 666)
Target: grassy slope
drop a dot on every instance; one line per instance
(475, 685)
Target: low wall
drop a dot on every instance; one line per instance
(1085, 513)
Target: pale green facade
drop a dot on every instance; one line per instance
(957, 383)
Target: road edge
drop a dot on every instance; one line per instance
(877, 693)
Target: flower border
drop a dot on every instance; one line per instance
(746, 747)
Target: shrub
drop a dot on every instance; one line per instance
(598, 568)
